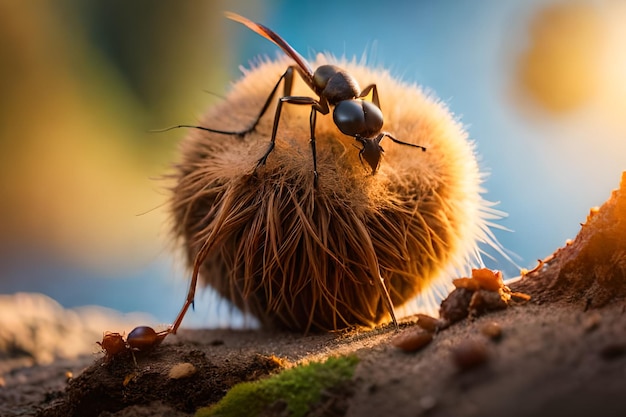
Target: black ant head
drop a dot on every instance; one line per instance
(371, 151)
(358, 118)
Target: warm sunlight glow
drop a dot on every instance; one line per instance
(612, 98)
(560, 70)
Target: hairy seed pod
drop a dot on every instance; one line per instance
(304, 257)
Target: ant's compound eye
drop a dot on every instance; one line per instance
(358, 118)
(373, 118)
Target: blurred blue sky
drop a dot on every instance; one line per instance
(545, 168)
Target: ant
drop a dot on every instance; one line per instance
(141, 338)
(363, 120)
(335, 88)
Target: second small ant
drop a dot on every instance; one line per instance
(363, 120)
(141, 339)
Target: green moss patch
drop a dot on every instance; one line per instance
(299, 388)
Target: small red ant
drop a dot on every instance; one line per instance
(140, 339)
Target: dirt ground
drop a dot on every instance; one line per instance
(551, 360)
(561, 353)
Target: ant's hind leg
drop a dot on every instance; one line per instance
(200, 256)
(313, 119)
(287, 77)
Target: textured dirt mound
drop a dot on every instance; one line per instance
(591, 269)
(181, 379)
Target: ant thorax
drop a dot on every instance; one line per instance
(335, 84)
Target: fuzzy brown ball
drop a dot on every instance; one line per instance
(302, 257)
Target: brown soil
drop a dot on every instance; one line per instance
(562, 353)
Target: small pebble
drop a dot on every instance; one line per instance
(412, 339)
(591, 321)
(469, 354)
(467, 283)
(182, 370)
(427, 403)
(129, 378)
(492, 330)
(483, 301)
(428, 323)
(488, 280)
(613, 351)
(456, 306)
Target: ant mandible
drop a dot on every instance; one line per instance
(354, 116)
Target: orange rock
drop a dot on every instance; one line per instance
(487, 279)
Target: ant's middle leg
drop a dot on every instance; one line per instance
(301, 100)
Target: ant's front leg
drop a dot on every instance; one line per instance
(374, 90)
(383, 134)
